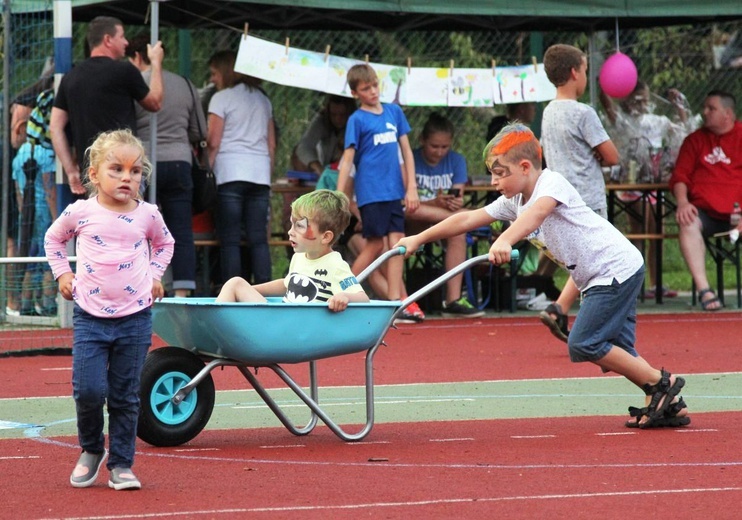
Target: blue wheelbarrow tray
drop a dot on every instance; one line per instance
(262, 334)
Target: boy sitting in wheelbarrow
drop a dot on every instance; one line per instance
(607, 268)
(316, 273)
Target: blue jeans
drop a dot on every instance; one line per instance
(244, 206)
(175, 195)
(607, 317)
(107, 359)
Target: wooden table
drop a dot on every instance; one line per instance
(651, 197)
(479, 196)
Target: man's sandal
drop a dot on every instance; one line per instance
(661, 411)
(558, 325)
(706, 304)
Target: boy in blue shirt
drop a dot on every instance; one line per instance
(375, 136)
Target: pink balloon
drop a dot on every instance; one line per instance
(618, 76)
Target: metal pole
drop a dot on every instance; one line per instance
(6, 149)
(154, 36)
(6, 131)
(62, 65)
(592, 70)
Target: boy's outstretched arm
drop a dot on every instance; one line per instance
(456, 224)
(411, 198)
(524, 225)
(344, 173)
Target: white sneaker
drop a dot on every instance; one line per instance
(538, 303)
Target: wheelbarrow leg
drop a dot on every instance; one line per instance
(285, 420)
(312, 400)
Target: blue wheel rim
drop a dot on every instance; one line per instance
(160, 399)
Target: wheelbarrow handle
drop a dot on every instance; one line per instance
(430, 287)
(401, 250)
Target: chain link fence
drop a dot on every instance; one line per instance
(692, 58)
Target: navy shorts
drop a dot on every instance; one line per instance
(710, 226)
(381, 218)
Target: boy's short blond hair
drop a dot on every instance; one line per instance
(329, 209)
(361, 73)
(514, 142)
(559, 60)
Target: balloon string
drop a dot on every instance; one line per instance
(617, 47)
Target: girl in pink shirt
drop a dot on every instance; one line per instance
(123, 248)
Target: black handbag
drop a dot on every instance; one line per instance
(204, 184)
(204, 180)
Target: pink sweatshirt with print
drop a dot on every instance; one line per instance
(118, 255)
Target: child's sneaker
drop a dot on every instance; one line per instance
(123, 478)
(411, 314)
(86, 469)
(461, 308)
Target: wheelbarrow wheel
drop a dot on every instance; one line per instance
(161, 422)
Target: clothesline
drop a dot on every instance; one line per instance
(404, 85)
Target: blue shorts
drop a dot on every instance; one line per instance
(607, 317)
(381, 218)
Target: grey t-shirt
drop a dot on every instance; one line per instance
(592, 250)
(180, 121)
(570, 130)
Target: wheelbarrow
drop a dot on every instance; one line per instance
(177, 390)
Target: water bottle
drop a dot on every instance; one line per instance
(735, 216)
(734, 219)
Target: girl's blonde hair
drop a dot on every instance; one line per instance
(97, 153)
(327, 208)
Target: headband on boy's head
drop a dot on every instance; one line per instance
(511, 136)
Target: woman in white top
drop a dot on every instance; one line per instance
(241, 144)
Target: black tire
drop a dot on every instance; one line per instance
(161, 423)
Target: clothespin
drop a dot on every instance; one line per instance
(366, 59)
(493, 67)
(409, 64)
(327, 52)
(287, 45)
(451, 68)
(535, 64)
(244, 32)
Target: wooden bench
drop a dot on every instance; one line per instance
(650, 236)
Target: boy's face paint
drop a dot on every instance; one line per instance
(497, 169)
(302, 228)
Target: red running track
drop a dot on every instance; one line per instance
(577, 467)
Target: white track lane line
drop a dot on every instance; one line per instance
(409, 504)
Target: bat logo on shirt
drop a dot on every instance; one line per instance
(320, 272)
(300, 289)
